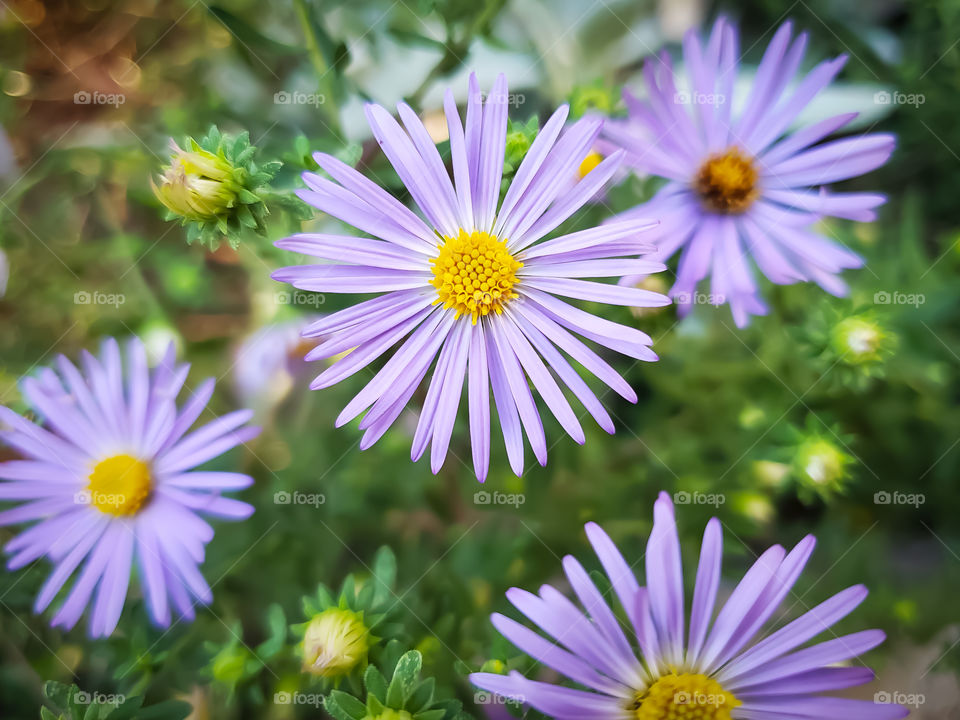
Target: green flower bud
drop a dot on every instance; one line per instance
(335, 642)
(215, 189)
(592, 97)
(199, 185)
(821, 465)
(860, 340)
(230, 664)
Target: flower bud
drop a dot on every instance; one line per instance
(859, 340)
(821, 465)
(198, 184)
(336, 641)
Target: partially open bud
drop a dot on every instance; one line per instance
(199, 185)
(215, 189)
(336, 641)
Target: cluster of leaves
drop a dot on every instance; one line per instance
(68, 702)
(405, 697)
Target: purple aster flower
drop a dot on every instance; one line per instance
(473, 283)
(737, 186)
(109, 481)
(710, 668)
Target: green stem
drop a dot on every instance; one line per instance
(320, 67)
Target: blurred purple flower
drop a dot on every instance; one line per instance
(696, 670)
(473, 282)
(110, 482)
(739, 186)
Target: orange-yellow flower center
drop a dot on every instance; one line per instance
(684, 696)
(727, 183)
(589, 163)
(474, 274)
(119, 485)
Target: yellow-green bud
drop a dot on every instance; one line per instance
(198, 184)
(230, 664)
(822, 464)
(859, 340)
(336, 641)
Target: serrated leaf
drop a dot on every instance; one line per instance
(332, 705)
(422, 696)
(374, 682)
(404, 678)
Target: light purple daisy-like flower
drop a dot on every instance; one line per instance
(738, 186)
(665, 667)
(472, 283)
(109, 479)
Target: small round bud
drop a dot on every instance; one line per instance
(859, 340)
(821, 465)
(336, 641)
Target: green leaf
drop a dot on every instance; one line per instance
(375, 683)
(404, 678)
(385, 572)
(167, 710)
(348, 704)
(422, 697)
(332, 705)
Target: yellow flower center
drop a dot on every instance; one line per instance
(684, 696)
(474, 273)
(119, 485)
(589, 163)
(727, 183)
(335, 642)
